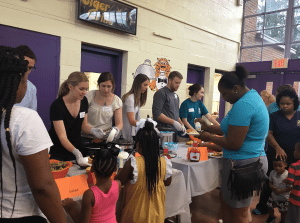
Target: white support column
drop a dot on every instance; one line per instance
(209, 88)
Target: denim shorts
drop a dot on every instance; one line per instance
(225, 171)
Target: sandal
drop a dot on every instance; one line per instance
(256, 212)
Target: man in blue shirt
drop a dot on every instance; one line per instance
(29, 100)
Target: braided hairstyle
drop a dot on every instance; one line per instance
(105, 161)
(148, 141)
(12, 69)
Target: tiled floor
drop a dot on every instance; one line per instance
(207, 209)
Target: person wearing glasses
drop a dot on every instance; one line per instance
(193, 108)
(30, 99)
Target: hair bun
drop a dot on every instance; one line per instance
(241, 72)
(149, 126)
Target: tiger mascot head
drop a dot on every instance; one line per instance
(162, 71)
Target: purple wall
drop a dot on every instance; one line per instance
(46, 76)
(99, 60)
(264, 74)
(195, 75)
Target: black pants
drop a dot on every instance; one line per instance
(31, 219)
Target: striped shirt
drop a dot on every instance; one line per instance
(294, 176)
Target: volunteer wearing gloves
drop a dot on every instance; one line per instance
(132, 102)
(165, 106)
(104, 105)
(68, 114)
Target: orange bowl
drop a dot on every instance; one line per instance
(61, 173)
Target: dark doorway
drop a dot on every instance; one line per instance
(46, 76)
(98, 60)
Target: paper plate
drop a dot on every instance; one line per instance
(111, 135)
(193, 133)
(212, 156)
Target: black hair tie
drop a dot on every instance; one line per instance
(114, 151)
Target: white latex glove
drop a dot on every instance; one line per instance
(97, 132)
(177, 126)
(117, 132)
(183, 129)
(142, 121)
(79, 158)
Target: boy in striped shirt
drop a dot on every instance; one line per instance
(293, 213)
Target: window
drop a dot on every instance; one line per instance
(271, 30)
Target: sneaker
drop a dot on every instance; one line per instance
(270, 219)
(258, 212)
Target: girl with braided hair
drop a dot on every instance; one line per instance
(98, 202)
(145, 178)
(28, 190)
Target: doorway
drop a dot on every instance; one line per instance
(96, 60)
(46, 76)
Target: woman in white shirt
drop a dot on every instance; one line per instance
(28, 190)
(104, 105)
(132, 102)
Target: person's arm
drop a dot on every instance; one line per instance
(211, 119)
(85, 126)
(83, 215)
(216, 129)
(43, 186)
(187, 124)
(125, 174)
(168, 181)
(210, 146)
(34, 99)
(62, 135)
(272, 142)
(131, 119)
(233, 141)
(118, 118)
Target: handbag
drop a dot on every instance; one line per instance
(243, 180)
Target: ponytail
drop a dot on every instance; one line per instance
(74, 79)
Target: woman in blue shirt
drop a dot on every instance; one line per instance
(244, 130)
(193, 108)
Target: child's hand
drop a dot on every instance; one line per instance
(278, 191)
(68, 204)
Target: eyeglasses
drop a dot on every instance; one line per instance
(32, 68)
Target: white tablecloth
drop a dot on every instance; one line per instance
(200, 177)
(177, 198)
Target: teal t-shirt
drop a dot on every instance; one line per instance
(191, 110)
(251, 111)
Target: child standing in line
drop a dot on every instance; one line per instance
(280, 191)
(145, 178)
(98, 202)
(293, 213)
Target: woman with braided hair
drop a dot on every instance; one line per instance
(145, 178)
(29, 192)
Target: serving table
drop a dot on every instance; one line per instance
(177, 199)
(200, 177)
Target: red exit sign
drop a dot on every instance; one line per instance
(280, 63)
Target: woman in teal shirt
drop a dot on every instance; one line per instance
(243, 131)
(193, 108)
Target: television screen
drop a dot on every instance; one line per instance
(109, 13)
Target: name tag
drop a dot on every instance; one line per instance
(107, 109)
(298, 123)
(191, 110)
(199, 111)
(82, 114)
(175, 95)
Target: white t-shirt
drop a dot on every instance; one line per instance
(28, 136)
(276, 180)
(128, 130)
(101, 116)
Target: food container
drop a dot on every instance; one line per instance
(171, 145)
(202, 151)
(61, 173)
(122, 157)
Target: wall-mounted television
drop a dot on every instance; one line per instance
(109, 13)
